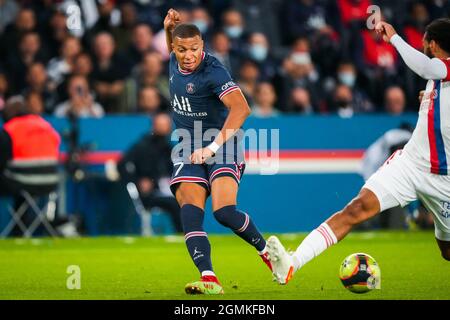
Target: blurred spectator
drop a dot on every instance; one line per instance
(128, 19)
(150, 101)
(37, 82)
(56, 33)
(298, 70)
(24, 22)
(342, 102)
(438, 8)
(233, 26)
(300, 102)
(8, 12)
(61, 66)
(306, 18)
(221, 49)
(153, 73)
(148, 164)
(149, 73)
(265, 98)
(395, 101)
(394, 11)
(353, 12)
(261, 16)
(109, 73)
(376, 52)
(377, 61)
(153, 12)
(35, 103)
(108, 18)
(416, 24)
(81, 102)
(29, 52)
(82, 66)
(201, 18)
(259, 51)
(348, 18)
(141, 43)
(248, 79)
(346, 74)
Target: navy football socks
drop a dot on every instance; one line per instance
(241, 224)
(196, 239)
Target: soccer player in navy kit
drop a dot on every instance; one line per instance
(205, 98)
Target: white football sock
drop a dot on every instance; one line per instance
(208, 273)
(314, 244)
(263, 251)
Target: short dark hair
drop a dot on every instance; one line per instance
(186, 30)
(439, 31)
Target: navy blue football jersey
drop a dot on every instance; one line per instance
(196, 100)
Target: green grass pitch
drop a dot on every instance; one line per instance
(159, 267)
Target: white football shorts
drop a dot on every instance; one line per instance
(399, 181)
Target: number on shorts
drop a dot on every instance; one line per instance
(181, 164)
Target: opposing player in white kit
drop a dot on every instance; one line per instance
(420, 171)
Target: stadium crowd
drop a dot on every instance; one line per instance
(96, 57)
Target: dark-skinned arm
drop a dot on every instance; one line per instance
(170, 22)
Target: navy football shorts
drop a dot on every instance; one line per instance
(204, 174)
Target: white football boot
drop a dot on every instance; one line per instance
(282, 264)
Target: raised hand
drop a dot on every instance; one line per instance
(171, 20)
(386, 30)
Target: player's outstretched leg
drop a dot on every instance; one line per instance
(224, 192)
(360, 209)
(191, 198)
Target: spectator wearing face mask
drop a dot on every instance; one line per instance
(342, 101)
(298, 70)
(300, 102)
(234, 27)
(258, 50)
(201, 18)
(309, 19)
(346, 75)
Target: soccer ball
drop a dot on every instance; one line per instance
(360, 273)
